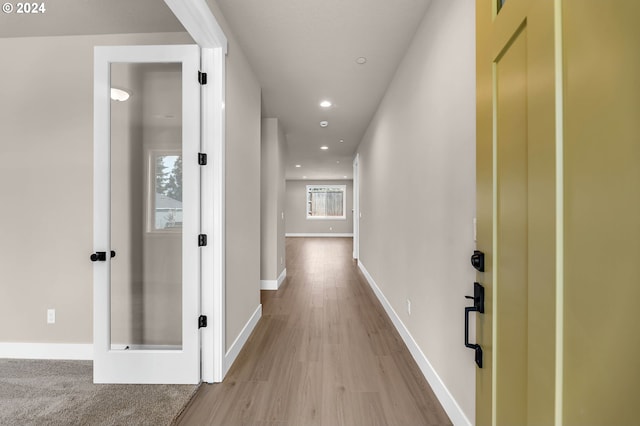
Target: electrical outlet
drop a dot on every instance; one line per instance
(409, 306)
(51, 316)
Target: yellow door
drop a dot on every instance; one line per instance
(558, 190)
(601, 342)
(516, 210)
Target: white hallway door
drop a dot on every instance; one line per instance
(147, 261)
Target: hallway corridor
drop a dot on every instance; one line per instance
(324, 353)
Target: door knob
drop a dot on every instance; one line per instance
(99, 256)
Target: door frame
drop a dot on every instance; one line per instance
(196, 17)
(201, 25)
(356, 207)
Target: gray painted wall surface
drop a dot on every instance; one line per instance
(272, 199)
(47, 166)
(296, 209)
(417, 170)
(242, 174)
(282, 186)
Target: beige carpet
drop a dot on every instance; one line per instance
(35, 392)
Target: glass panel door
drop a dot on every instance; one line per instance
(146, 207)
(146, 214)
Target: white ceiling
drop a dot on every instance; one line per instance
(302, 52)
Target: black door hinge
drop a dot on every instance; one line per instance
(202, 321)
(202, 159)
(202, 77)
(202, 240)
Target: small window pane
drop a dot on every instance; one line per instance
(326, 201)
(168, 192)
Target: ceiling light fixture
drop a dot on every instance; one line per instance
(324, 147)
(324, 123)
(341, 140)
(119, 94)
(325, 104)
(361, 60)
(298, 166)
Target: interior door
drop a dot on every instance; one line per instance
(146, 214)
(516, 142)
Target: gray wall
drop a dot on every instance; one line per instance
(417, 181)
(296, 210)
(242, 165)
(46, 222)
(272, 199)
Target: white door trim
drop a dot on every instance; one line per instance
(356, 207)
(197, 19)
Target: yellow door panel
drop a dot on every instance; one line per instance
(516, 114)
(602, 213)
(511, 251)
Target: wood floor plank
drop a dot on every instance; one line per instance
(323, 353)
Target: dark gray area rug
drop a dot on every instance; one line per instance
(37, 392)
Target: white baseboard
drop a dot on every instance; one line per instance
(273, 284)
(325, 235)
(77, 351)
(282, 277)
(447, 400)
(240, 341)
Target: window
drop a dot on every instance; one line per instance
(165, 195)
(326, 201)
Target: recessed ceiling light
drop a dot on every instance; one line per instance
(361, 60)
(324, 147)
(325, 104)
(298, 165)
(341, 140)
(338, 162)
(304, 177)
(344, 177)
(119, 94)
(324, 123)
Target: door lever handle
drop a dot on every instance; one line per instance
(478, 306)
(99, 256)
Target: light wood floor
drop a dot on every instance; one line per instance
(324, 353)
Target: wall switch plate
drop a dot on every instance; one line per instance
(51, 316)
(475, 230)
